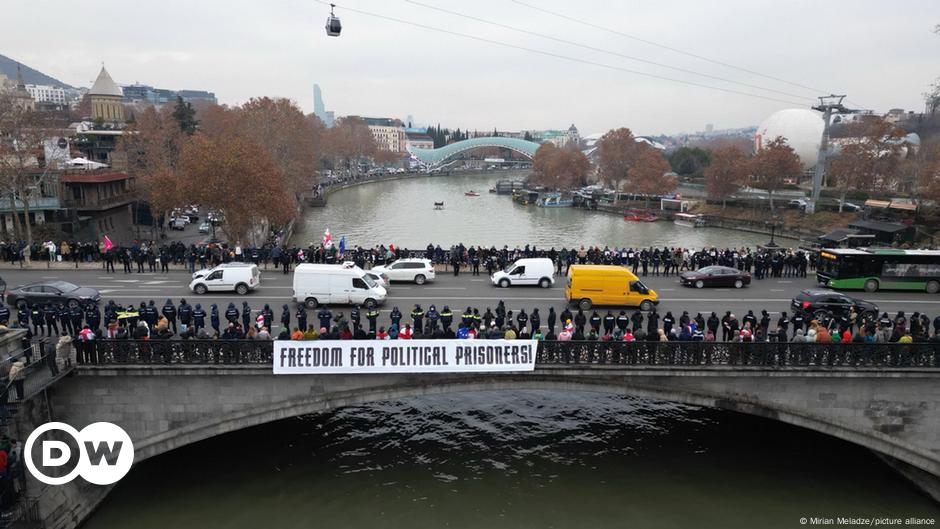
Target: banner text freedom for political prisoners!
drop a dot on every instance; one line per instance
(402, 356)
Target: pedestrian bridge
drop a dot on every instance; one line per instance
(169, 394)
(436, 157)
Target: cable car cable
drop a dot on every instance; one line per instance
(670, 48)
(566, 57)
(593, 48)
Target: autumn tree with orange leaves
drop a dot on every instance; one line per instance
(773, 165)
(650, 174)
(617, 153)
(726, 173)
(559, 168)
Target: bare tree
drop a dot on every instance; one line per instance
(22, 168)
(869, 159)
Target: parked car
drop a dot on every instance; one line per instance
(821, 304)
(416, 270)
(380, 278)
(52, 292)
(536, 271)
(177, 224)
(798, 203)
(715, 276)
(205, 227)
(238, 277)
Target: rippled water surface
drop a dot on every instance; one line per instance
(402, 212)
(531, 459)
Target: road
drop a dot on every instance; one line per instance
(460, 292)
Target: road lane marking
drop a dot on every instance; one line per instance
(777, 290)
(445, 288)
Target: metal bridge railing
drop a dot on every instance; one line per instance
(702, 354)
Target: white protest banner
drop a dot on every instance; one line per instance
(402, 356)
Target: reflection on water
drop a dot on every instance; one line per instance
(508, 460)
(402, 212)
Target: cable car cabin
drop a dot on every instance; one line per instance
(333, 26)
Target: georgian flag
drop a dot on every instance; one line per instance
(327, 240)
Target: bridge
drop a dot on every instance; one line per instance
(436, 157)
(885, 397)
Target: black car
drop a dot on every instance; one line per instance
(820, 304)
(51, 292)
(715, 276)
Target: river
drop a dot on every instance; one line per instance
(402, 212)
(525, 459)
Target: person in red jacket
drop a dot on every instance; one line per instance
(406, 333)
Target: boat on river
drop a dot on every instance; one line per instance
(689, 220)
(640, 216)
(471, 194)
(554, 200)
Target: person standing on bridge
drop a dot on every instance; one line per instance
(652, 323)
(214, 320)
(37, 314)
(185, 313)
(595, 321)
(199, 317)
(64, 320)
(246, 316)
(267, 317)
(500, 314)
(637, 320)
(447, 318)
(231, 314)
(523, 320)
(417, 316)
(169, 312)
(455, 262)
(433, 317)
(535, 320)
(301, 316)
(372, 315)
(550, 321)
(325, 317)
(285, 317)
(93, 316)
(609, 322)
(22, 316)
(355, 316)
(395, 317)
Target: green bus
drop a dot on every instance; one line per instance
(879, 269)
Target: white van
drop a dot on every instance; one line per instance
(535, 271)
(240, 277)
(323, 284)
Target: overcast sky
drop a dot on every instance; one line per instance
(883, 54)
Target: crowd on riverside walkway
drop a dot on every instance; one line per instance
(81, 327)
(148, 256)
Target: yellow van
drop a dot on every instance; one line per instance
(590, 285)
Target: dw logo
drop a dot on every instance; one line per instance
(105, 453)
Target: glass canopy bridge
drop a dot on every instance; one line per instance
(437, 158)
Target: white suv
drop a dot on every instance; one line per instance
(417, 270)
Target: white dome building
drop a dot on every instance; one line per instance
(802, 129)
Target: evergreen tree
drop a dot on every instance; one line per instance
(185, 115)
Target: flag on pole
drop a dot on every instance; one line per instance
(327, 240)
(107, 243)
(342, 245)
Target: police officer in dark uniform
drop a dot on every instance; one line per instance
(477, 319)
(623, 321)
(325, 317)
(395, 316)
(246, 316)
(373, 316)
(76, 315)
(4, 314)
(784, 322)
(92, 316)
(500, 314)
(64, 321)
(199, 317)
(418, 316)
(467, 317)
(231, 314)
(579, 321)
(475, 263)
(652, 323)
(637, 320)
(22, 316)
(185, 313)
(169, 312)
(595, 321)
(523, 319)
(488, 318)
(433, 317)
(609, 322)
(354, 316)
(447, 317)
(285, 317)
(551, 320)
(535, 320)
(214, 319)
(797, 321)
(301, 316)
(38, 316)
